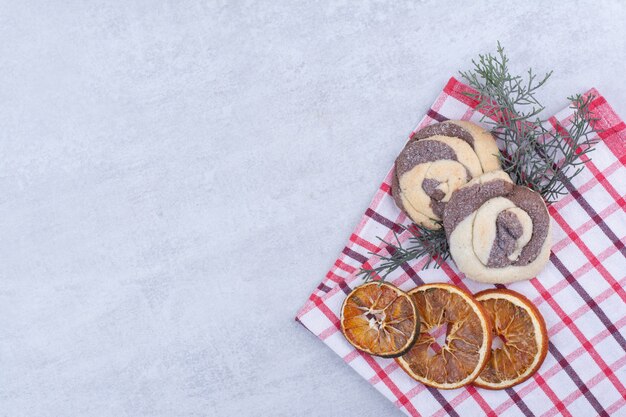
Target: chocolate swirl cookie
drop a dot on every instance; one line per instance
(436, 161)
(498, 232)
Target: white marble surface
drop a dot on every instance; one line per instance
(175, 179)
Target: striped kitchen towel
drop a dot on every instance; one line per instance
(580, 293)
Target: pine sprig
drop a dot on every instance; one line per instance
(535, 154)
(422, 242)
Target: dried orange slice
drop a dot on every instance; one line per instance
(380, 319)
(467, 341)
(522, 331)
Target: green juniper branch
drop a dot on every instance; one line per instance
(422, 242)
(534, 155)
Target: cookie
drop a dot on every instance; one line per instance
(498, 232)
(436, 161)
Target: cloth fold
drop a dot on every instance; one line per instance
(580, 293)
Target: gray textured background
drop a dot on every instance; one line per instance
(176, 178)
